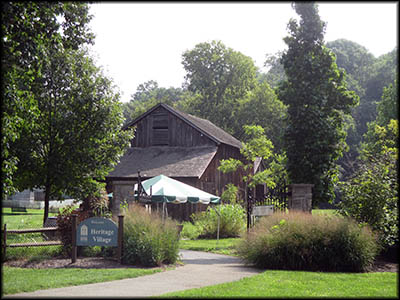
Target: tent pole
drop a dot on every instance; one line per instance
(163, 211)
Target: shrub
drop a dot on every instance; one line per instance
(64, 224)
(230, 194)
(149, 241)
(232, 221)
(95, 205)
(190, 231)
(371, 196)
(299, 241)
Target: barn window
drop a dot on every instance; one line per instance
(160, 129)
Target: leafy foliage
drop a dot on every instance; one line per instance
(77, 137)
(220, 76)
(299, 241)
(64, 112)
(318, 100)
(232, 221)
(149, 94)
(371, 196)
(28, 29)
(258, 146)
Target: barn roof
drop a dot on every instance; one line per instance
(212, 131)
(169, 161)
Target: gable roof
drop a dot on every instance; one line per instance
(170, 161)
(207, 128)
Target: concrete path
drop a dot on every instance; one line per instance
(200, 269)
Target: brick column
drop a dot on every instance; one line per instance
(300, 197)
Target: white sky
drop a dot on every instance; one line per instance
(138, 41)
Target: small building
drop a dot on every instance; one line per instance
(180, 146)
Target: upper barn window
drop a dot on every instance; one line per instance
(160, 135)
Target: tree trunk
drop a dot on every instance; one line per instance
(46, 202)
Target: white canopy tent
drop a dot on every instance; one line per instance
(162, 189)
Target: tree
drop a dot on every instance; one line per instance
(29, 28)
(262, 107)
(387, 108)
(220, 77)
(318, 100)
(149, 94)
(257, 146)
(68, 117)
(77, 136)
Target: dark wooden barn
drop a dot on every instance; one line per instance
(180, 146)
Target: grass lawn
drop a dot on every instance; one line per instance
(268, 284)
(33, 218)
(289, 284)
(222, 246)
(18, 280)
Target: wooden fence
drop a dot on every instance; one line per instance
(5, 232)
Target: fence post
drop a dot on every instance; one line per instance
(120, 237)
(74, 247)
(4, 241)
(249, 208)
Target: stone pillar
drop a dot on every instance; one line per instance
(122, 191)
(300, 197)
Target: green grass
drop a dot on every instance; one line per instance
(268, 284)
(289, 284)
(33, 218)
(18, 280)
(324, 212)
(223, 246)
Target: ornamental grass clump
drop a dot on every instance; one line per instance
(300, 241)
(148, 240)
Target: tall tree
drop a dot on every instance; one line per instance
(28, 29)
(77, 136)
(220, 77)
(318, 100)
(71, 132)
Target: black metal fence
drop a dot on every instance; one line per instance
(277, 197)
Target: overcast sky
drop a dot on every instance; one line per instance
(140, 41)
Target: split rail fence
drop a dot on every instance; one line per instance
(6, 232)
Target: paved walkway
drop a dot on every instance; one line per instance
(200, 269)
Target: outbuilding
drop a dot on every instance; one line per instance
(178, 145)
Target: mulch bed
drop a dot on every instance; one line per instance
(83, 263)
(381, 264)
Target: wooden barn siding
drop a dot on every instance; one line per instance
(180, 134)
(219, 179)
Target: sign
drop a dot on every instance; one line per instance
(264, 210)
(97, 232)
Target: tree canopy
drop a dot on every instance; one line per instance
(66, 114)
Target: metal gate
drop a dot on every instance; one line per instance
(278, 197)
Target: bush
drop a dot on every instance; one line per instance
(300, 241)
(95, 205)
(148, 241)
(190, 231)
(64, 224)
(371, 197)
(232, 221)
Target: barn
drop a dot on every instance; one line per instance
(180, 146)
